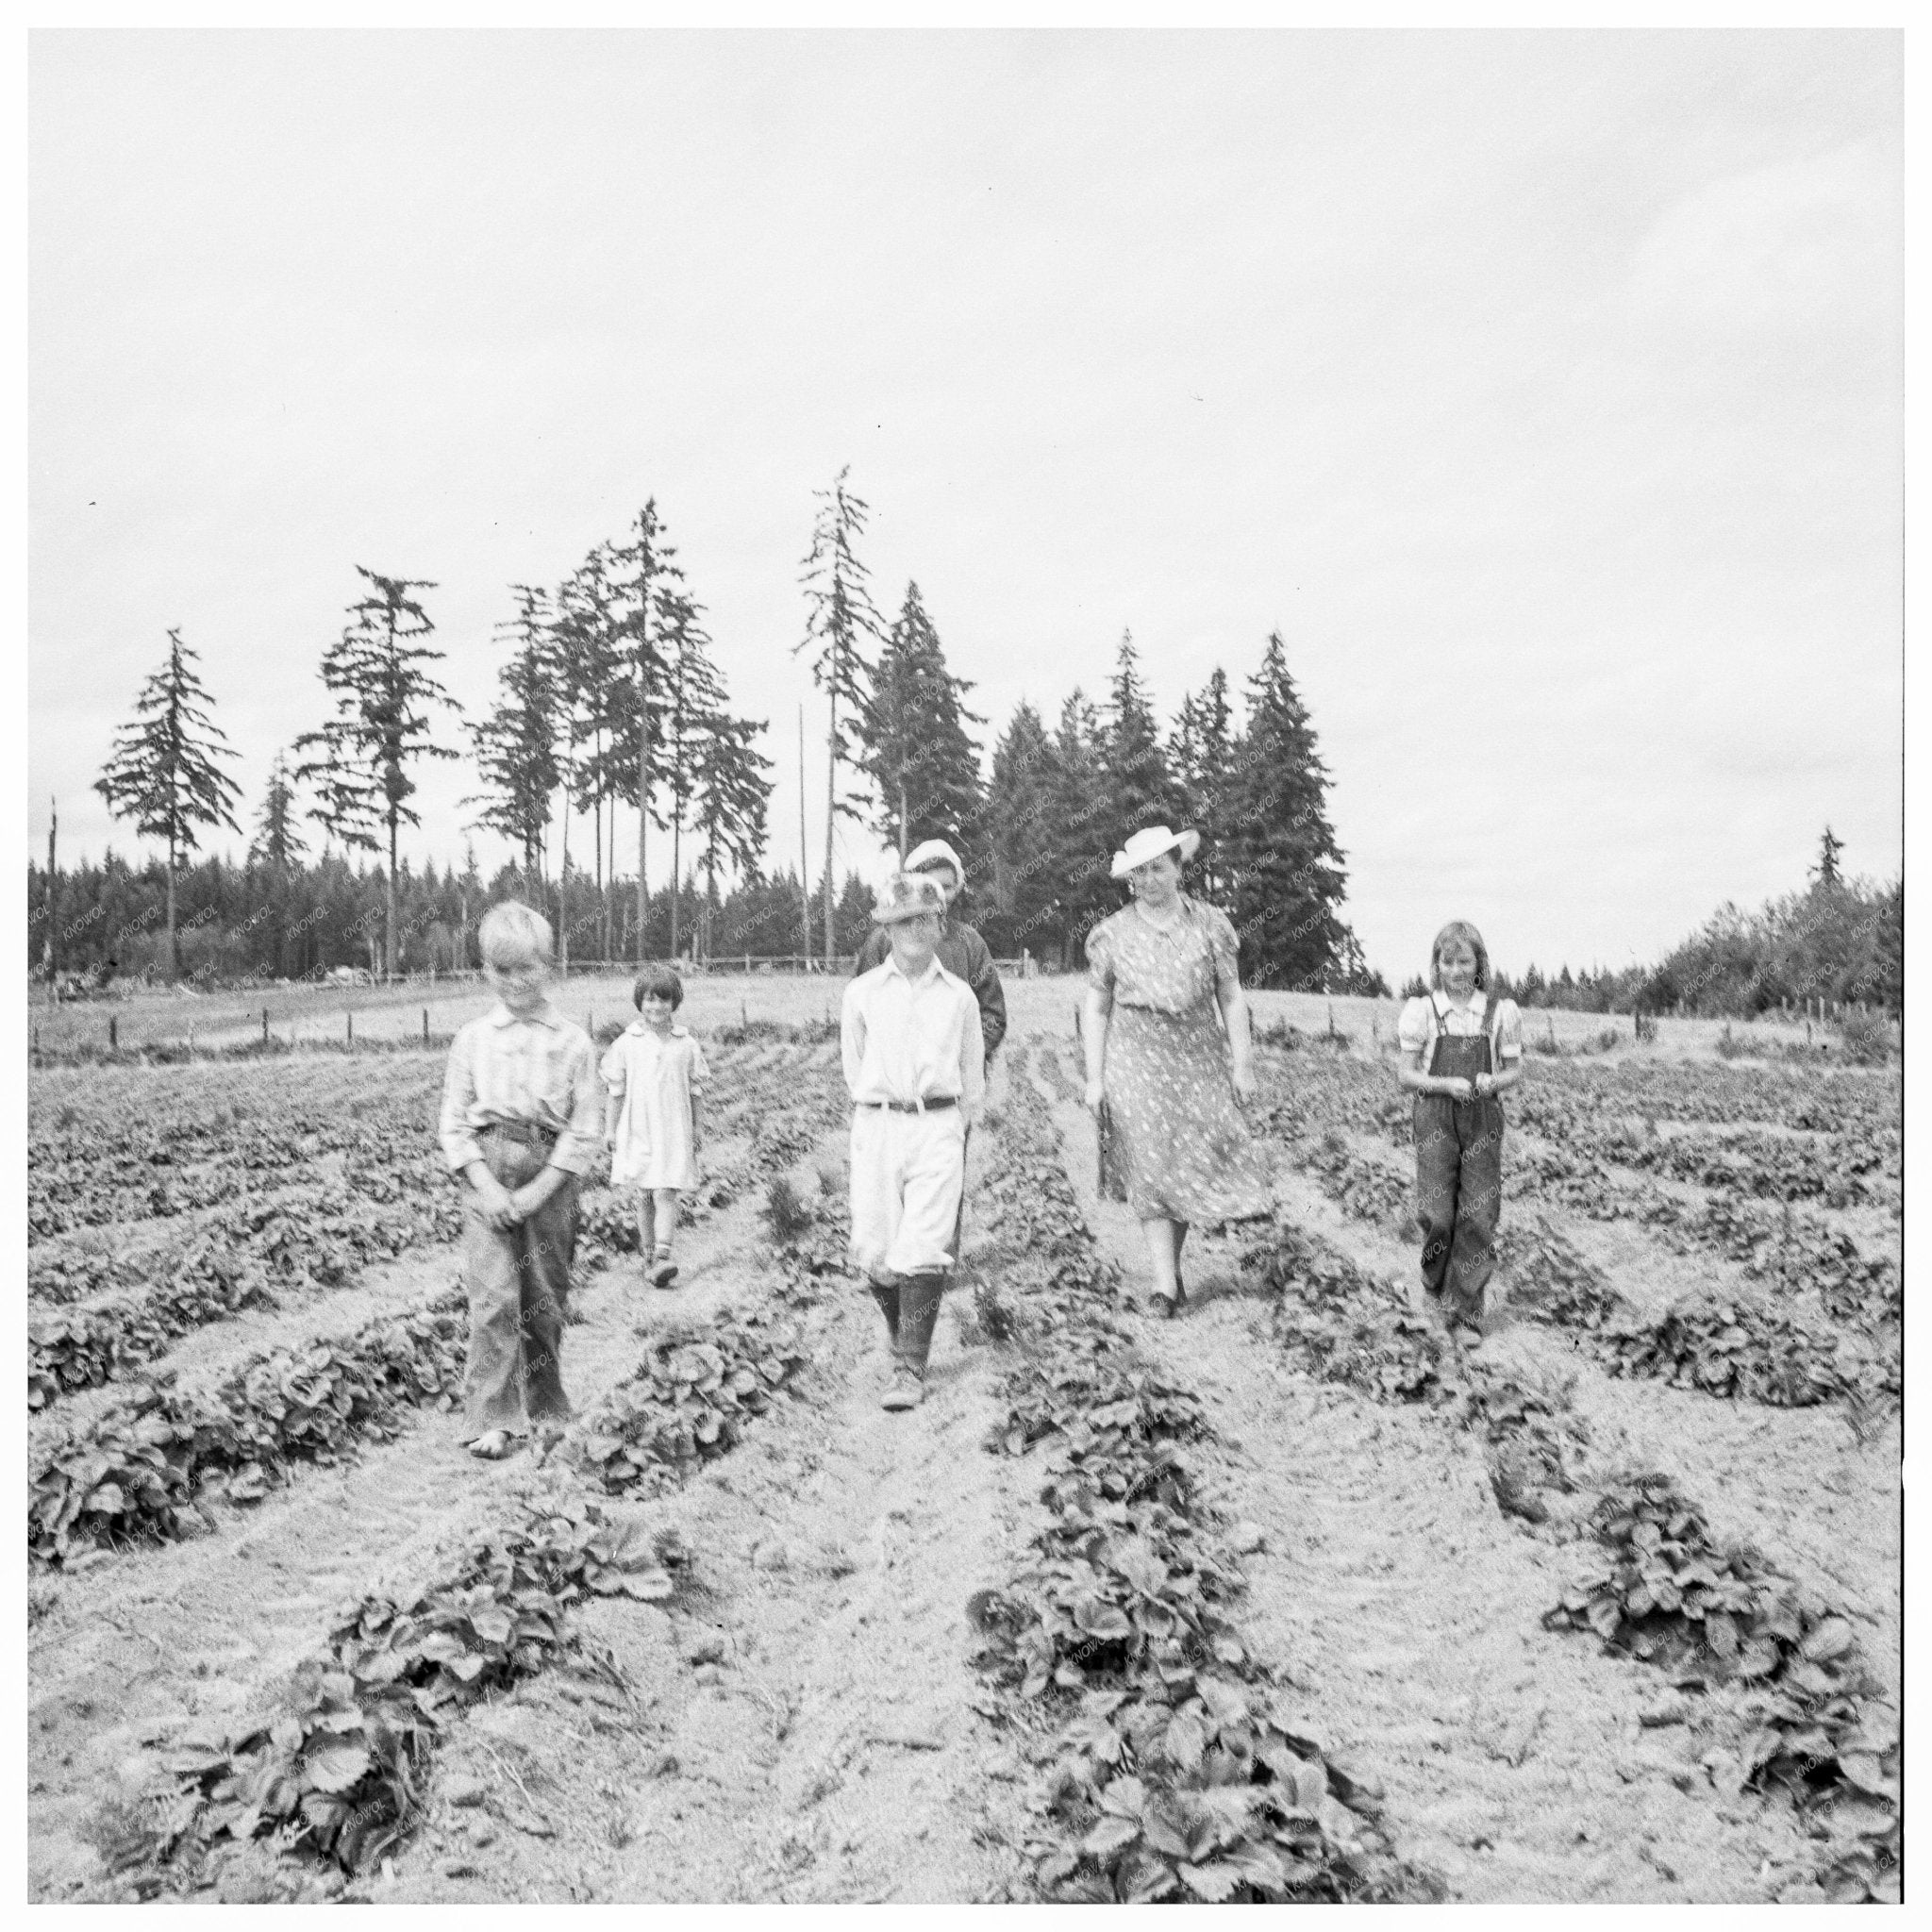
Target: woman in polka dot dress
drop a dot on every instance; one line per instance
(1169, 1073)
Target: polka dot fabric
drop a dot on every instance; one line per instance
(1179, 1145)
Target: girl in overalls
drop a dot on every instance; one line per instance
(1460, 1051)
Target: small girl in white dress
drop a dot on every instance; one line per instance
(653, 1076)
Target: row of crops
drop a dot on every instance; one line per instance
(341, 1768)
(1172, 1761)
(277, 1235)
(1771, 1135)
(1757, 1346)
(149, 1466)
(1798, 1708)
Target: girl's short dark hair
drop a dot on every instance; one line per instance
(661, 980)
(1460, 929)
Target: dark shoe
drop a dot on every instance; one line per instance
(663, 1273)
(908, 1389)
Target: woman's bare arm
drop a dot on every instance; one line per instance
(1093, 1017)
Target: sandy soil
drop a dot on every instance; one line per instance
(802, 1723)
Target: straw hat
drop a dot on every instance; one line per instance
(905, 896)
(935, 852)
(1150, 842)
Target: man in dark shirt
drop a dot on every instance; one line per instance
(960, 950)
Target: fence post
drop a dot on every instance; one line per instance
(350, 1017)
(264, 1025)
(113, 1031)
(425, 1026)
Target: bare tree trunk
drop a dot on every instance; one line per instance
(597, 840)
(389, 905)
(53, 893)
(563, 889)
(676, 846)
(174, 946)
(804, 864)
(901, 822)
(831, 811)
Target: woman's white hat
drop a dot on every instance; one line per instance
(1150, 842)
(935, 852)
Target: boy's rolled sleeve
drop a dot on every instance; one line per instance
(455, 1135)
(852, 1036)
(576, 1146)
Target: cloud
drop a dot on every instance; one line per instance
(1774, 248)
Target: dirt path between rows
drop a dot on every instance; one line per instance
(126, 1653)
(805, 1729)
(1406, 1610)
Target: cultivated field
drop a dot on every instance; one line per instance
(1284, 1599)
(325, 1016)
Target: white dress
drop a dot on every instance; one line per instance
(651, 1078)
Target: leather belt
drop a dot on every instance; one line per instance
(937, 1104)
(527, 1132)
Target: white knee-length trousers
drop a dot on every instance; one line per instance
(907, 1171)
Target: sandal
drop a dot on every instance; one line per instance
(493, 1445)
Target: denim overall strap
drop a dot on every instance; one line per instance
(1459, 1154)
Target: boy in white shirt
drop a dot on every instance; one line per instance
(915, 1062)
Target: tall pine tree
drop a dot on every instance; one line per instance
(694, 700)
(648, 572)
(161, 773)
(383, 695)
(729, 796)
(1139, 787)
(1826, 871)
(1020, 816)
(1201, 756)
(278, 841)
(1288, 869)
(1080, 841)
(589, 645)
(839, 616)
(516, 745)
(914, 733)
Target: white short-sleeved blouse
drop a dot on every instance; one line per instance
(1504, 1024)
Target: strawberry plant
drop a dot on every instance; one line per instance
(1730, 1348)
(685, 1405)
(340, 1769)
(1176, 1771)
(1549, 1281)
(1365, 1187)
(1814, 1724)
(139, 1471)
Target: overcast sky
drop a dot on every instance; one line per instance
(1543, 390)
